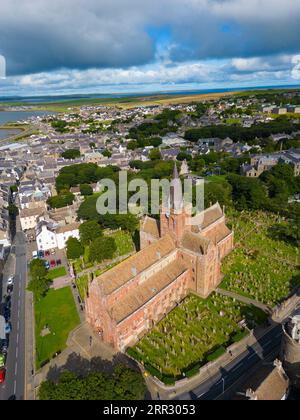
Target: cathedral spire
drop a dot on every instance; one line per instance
(175, 172)
(176, 196)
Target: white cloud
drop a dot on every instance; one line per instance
(296, 69)
(43, 35)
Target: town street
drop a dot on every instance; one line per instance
(15, 365)
(217, 385)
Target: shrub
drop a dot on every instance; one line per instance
(219, 352)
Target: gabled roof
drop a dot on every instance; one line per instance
(211, 215)
(195, 243)
(127, 270)
(150, 226)
(146, 291)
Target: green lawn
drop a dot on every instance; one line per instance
(216, 178)
(56, 273)
(260, 267)
(57, 311)
(125, 245)
(232, 121)
(82, 286)
(192, 334)
(82, 282)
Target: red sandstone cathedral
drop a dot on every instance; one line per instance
(176, 258)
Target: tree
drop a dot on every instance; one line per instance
(63, 199)
(155, 154)
(289, 232)
(71, 154)
(75, 249)
(13, 210)
(37, 269)
(107, 153)
(248, 193)
(89, 231)
(39, 284)
(123, 384)
(102, 248)
(184, 156)
(86, 190)
(218, 192)
(13, 188)
(39, 287)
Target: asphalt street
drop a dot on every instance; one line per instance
(15, 364)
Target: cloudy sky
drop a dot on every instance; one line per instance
(105, 46)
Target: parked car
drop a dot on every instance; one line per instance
(47, 253)
(2, 360)
(41, 254)
(35, 255)
(58, 262)
(53, 251)
(8, 328)
(47, 265)
(2, 375)
(52, 263)
(6, 312)
(10, 288)
(7, 301)
(10, 280)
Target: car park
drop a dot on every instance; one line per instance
(2, 375)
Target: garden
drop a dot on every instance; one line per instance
(55, 317)
(124, 244)
(261, 268)
(194, 333)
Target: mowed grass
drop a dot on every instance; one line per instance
(82, 284)
(260, 267)
(195, 332)
(56, 273)
(58, 312)
(124, 243)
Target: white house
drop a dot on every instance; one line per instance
(50, 236)
(63, 233)
(45, 236)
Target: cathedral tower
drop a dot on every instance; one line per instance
(174, 218)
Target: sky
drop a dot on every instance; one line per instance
(120, 46)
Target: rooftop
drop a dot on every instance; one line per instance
(122, 273)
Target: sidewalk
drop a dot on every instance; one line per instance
(246, 300)
(208, 371)
(83, 346)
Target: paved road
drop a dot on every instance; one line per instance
(15, 365)
(240, 367)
